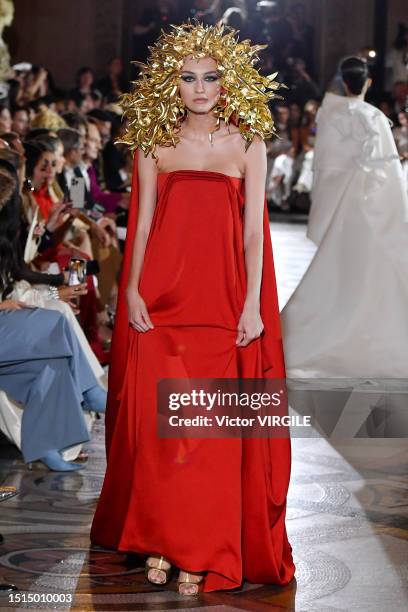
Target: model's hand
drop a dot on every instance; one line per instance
(138, 316)
(250, 325)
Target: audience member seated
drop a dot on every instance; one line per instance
(43, 365)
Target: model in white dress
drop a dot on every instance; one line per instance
(348, 318)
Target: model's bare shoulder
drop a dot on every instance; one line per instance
(233, 143)
(257, 149)
(147, 166)
(165, 157)
(255, 157)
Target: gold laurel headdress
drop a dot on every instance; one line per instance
(154, 109)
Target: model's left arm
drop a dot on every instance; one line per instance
(250, 325)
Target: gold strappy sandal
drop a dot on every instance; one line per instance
(157, 564)
(187, 582)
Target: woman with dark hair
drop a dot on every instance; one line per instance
(42, 365)
(356, 76)
(41, 164)
(358, 220)
(14, 225)
(61, 240)
(50, 290)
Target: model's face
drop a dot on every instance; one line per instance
(200, 84)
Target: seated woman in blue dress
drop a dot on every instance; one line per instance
(42, 365)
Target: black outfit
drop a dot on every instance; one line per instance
(40, 278)
(24, 272)
(113, 161)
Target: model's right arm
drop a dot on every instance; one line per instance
(138, 315)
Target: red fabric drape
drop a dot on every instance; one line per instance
(212, 505)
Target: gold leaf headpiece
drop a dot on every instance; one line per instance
(154, 109)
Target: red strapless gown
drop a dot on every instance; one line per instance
(208, 505)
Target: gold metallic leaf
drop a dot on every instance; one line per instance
(154, 110)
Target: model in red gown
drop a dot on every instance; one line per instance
(214, 506)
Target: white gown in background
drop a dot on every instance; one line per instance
(348, 318)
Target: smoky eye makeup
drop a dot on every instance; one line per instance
(214, 76)
(189, 77)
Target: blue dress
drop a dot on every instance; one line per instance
(43, 367)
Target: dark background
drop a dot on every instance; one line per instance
(65, 35)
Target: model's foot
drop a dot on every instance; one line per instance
(157, 570)
(190, 583)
